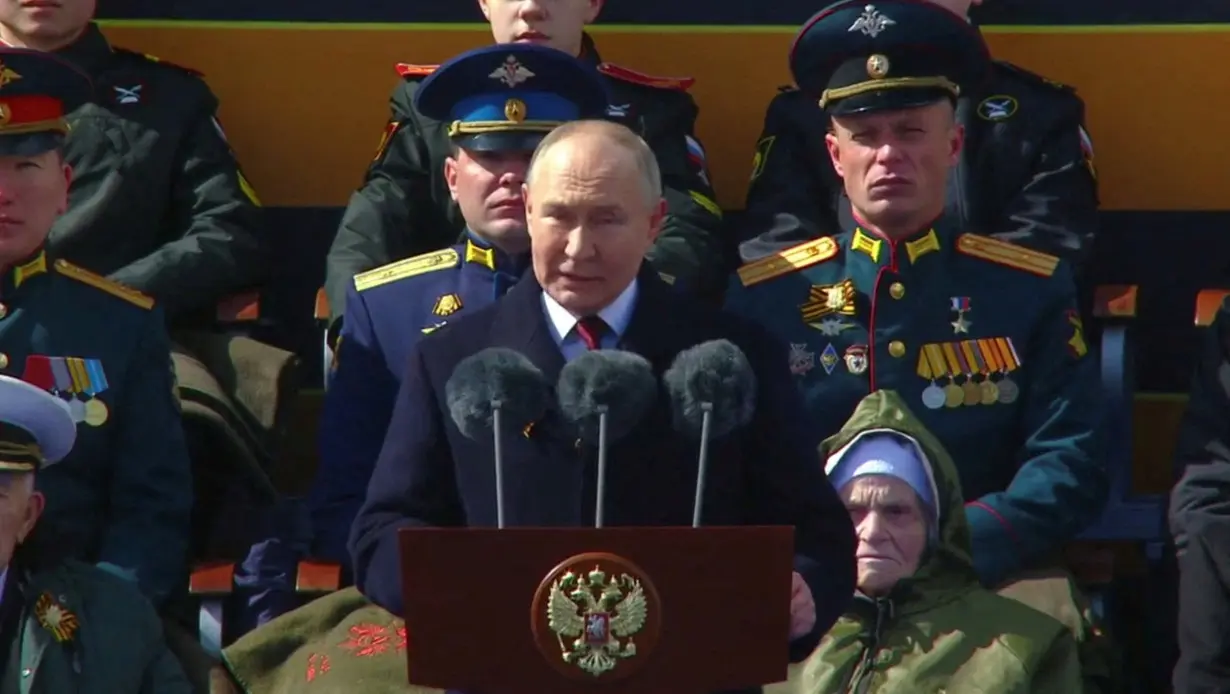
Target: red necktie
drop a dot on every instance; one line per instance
(591, 330)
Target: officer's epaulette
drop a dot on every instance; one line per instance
(110, 286)
(408, 70)
(160, 61)
(1033, 77)
(681, 84)
(1009, 254)
(418, 265)
(788, 260)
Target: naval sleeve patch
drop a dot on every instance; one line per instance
(110, 286)
(623, 74)
(410, 267)
(787, 261)
(1007, 254)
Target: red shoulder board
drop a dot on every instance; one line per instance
(408, 70)
(160, 61)
(681, 84)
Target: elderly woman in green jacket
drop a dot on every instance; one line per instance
(920, 622)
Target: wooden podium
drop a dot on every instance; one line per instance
(612, 610)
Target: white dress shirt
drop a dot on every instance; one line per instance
(563, 324)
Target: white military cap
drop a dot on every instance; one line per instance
(36, 429)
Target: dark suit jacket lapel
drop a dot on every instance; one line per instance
(521, 324)
(650, 333)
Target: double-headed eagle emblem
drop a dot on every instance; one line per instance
(590, 615)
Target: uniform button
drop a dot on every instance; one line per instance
(26, 672)
(896, 348)
(4, 360)
(896, 290)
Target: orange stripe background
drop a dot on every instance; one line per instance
(305, 108)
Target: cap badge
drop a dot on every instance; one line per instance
(512, 72)
(871, 22)
(877, 66)
(514, 110)
(7, 75)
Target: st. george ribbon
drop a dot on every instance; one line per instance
(605, 394)
(713, 392)
(494, 388)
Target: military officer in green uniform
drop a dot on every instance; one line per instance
(158, 201)
(1025, 174)
(981, 335)
(65, 626)
(404, 208)
(122, 498)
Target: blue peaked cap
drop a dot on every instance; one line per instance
(509, 96)
(857, 56)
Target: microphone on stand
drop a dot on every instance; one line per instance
(605, 394)
(494, 388)
(713, 392)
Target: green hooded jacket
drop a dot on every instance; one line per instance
(939, 630)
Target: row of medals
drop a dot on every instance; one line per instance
(970, 393)
(93, 412)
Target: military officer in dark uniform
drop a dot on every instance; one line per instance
(494, 129)
(158, 201)
(1025, 174)
(123, 497)
(64, 625)
(983, 335)
(404, 207)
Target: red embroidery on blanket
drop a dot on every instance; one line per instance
(401, 638)
(317, 665)
(367, 640)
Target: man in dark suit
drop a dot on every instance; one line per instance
(593, 206)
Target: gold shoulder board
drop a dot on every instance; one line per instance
(112, 287)
(418, 265)
(1004, 253)
(787, 261)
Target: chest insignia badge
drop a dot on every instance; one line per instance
(856, 359)
(829, 359)
(827, 299)
(832, 327)
(801, 359)
(446, 305)
(960, 305)
(55, 618)
(428, 329)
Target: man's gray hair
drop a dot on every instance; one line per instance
(646, 162)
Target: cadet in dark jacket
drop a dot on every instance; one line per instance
(158, 201)
(1200, 520)
(123, 497)
(404, 208)
(1025, 174)
(65, 626)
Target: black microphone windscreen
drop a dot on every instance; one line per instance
(715, 372)
(496, 374)
(622, 382)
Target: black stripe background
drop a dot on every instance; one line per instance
(686, 12)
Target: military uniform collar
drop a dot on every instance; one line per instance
(918, 247)
(90, 52)
(479, 251)
(22, 271)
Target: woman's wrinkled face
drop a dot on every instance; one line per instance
(891, 528)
